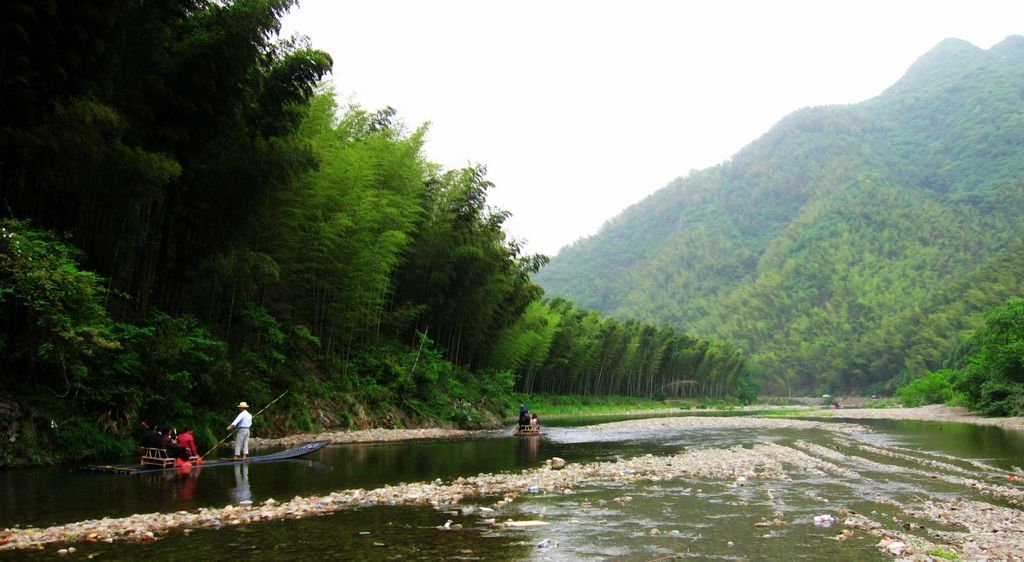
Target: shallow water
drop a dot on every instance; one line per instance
(694, 517)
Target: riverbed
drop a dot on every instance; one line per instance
(733, 488)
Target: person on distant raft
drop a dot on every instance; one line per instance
(244, 422)
(534, 422)
(524, 417)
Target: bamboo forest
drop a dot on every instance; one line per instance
(190, 217)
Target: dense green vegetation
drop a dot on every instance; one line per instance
(561, 406)
(987, 371)
(559, 348)
(548, 406)
(991, 374)
(190, 220)
(847, 249)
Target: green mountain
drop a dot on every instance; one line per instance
(848, 246)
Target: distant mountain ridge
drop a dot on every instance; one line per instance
(848, 245)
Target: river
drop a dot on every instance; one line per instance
(698, 517)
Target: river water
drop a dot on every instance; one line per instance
(701, 518)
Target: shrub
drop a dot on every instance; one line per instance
(932, 388)
(992, 379)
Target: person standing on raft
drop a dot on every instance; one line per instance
(243, 421)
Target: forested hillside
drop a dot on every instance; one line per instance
(848, 247)
(190, 220)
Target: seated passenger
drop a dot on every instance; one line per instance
(152, 438)
(185, 440)
(171, 446)
(534, 423)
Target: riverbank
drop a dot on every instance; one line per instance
(934, 412)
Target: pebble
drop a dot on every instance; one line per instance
(892, 546)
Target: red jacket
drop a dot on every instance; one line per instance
(185, 440)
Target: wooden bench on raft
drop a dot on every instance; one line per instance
(156, 457)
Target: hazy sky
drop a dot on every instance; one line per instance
(582, 108)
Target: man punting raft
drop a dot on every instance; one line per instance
(162, 452)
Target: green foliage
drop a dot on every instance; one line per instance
(992, 380)
(79, 439)
(932, 388)
(427, 387)
(558, 348)
(168, 371)
(944, 554)
(988, 369)
(748, 387)
(547, 406)
(51, 313)
(846, 245)
(251, 238)
(150, 130)
(464, 281)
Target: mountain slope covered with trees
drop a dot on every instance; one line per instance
(850, 246)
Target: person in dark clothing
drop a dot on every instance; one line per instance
(152, 438)
(524, 419)
(171, 446)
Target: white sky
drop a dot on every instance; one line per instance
(581, 108)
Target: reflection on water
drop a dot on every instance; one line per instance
(1004, 449)
(529, 447)
(380, 533)
(186, 479)
(241, 492)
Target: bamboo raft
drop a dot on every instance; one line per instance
(294, 452)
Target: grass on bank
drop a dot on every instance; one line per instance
(549, 406)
